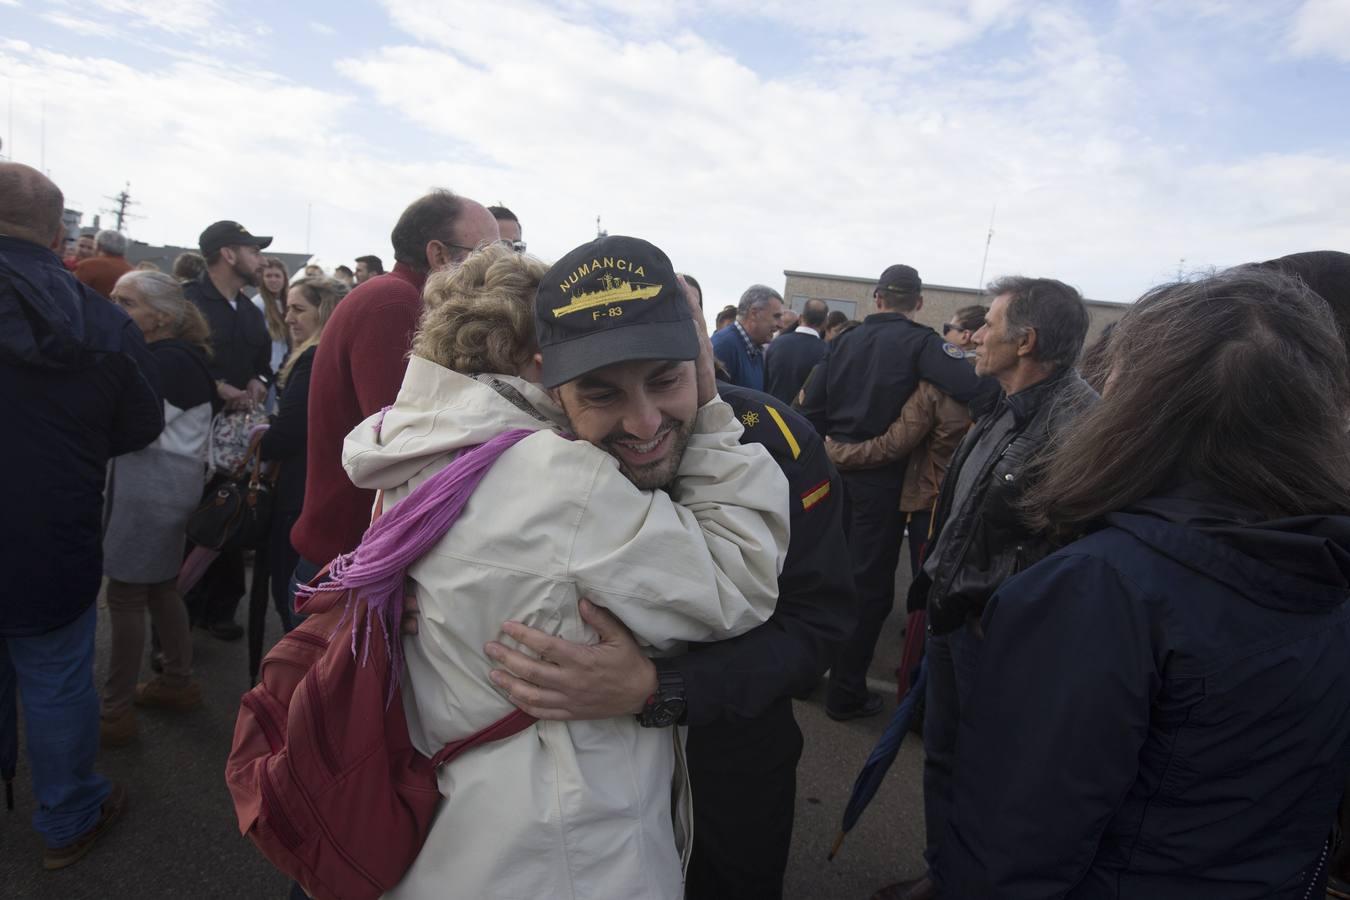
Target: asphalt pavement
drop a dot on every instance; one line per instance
(179, 838)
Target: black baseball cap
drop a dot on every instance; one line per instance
(228, 234)
(613, 300)
(899, 280)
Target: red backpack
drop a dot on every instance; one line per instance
(324, 776)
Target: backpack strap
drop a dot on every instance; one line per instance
(511, 724)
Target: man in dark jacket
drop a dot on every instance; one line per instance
(241, 354)
(80, 387)
(793, 354)
(1032, 335)
(857, 391)
(743, 742)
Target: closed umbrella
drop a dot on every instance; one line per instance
(880, 759)
(9, 729)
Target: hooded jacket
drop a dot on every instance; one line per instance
(78, 387)
(1162, 711)
(563, 809)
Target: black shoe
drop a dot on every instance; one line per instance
(226, 631)
(869, 707)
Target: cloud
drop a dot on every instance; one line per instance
(666, 119)
(322, 29)
(202, 22)
(1321, 28)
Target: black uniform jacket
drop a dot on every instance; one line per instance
(868, 373)
(241, 348)
(739, 679)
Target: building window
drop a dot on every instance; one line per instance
(847, 307)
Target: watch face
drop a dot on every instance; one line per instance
(666, 711)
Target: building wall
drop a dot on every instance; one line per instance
(853, 296)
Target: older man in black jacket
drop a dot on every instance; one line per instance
(1032, 336)
(79, 387)
(793, 354)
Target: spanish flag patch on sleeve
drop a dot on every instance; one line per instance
(816, 494)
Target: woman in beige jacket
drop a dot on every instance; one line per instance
(573, 810)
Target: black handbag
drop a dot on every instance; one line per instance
(238, 513)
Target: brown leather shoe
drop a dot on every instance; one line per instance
(117, 731)
(166, 695)
(113, 807)
(914, 889)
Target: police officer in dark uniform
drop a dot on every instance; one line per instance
(743, 742)
(736, 695)
(853, 395)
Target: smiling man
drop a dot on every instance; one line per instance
(634, 490)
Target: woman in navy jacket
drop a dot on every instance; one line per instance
(1163, 706)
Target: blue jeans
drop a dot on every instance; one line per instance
(952, 662)
(54, 673)
(304, 573)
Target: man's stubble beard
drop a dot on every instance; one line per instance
(659, 475)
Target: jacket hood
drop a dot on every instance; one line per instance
(439, 411)
(1297, 564)
(43, 318)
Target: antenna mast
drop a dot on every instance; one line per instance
(989, 239)
(123, 201)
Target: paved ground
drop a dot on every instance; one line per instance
(179, 839)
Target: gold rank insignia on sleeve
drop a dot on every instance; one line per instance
(750, 419)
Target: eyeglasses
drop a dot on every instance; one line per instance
(518, 246)
(948, 328)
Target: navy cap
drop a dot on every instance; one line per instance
(229, 234)
(900, 280)
(613, 300)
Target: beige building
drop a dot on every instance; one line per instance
(853, 297)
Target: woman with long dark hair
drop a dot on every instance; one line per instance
(1163, 706)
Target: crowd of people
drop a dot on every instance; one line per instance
(1130, 563)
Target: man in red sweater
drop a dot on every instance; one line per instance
(360, 363)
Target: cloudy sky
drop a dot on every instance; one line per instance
(1115, 139)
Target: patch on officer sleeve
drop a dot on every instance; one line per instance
(816, 494)
(750, 419)
(953, 351)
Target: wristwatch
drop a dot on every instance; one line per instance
(666, 706)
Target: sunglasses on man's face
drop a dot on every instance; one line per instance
(518, 246)
(948, 328)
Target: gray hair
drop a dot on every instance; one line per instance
(1054, 309)
(161, 292)
(755, 296)
(112, 242)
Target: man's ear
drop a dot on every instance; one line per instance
(1027, 345)
(918, 306)
(437, 256)
(58, 243)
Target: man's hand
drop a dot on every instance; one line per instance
(257, 392)
(703, 366)
(233, 397)
(575, 681)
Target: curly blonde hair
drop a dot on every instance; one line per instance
(480, 316)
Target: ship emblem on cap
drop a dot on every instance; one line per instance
(615, 290)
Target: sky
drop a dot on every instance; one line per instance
(1111, 144)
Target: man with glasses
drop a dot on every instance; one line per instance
(854, 395)
(360, 365)
(509, 226)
